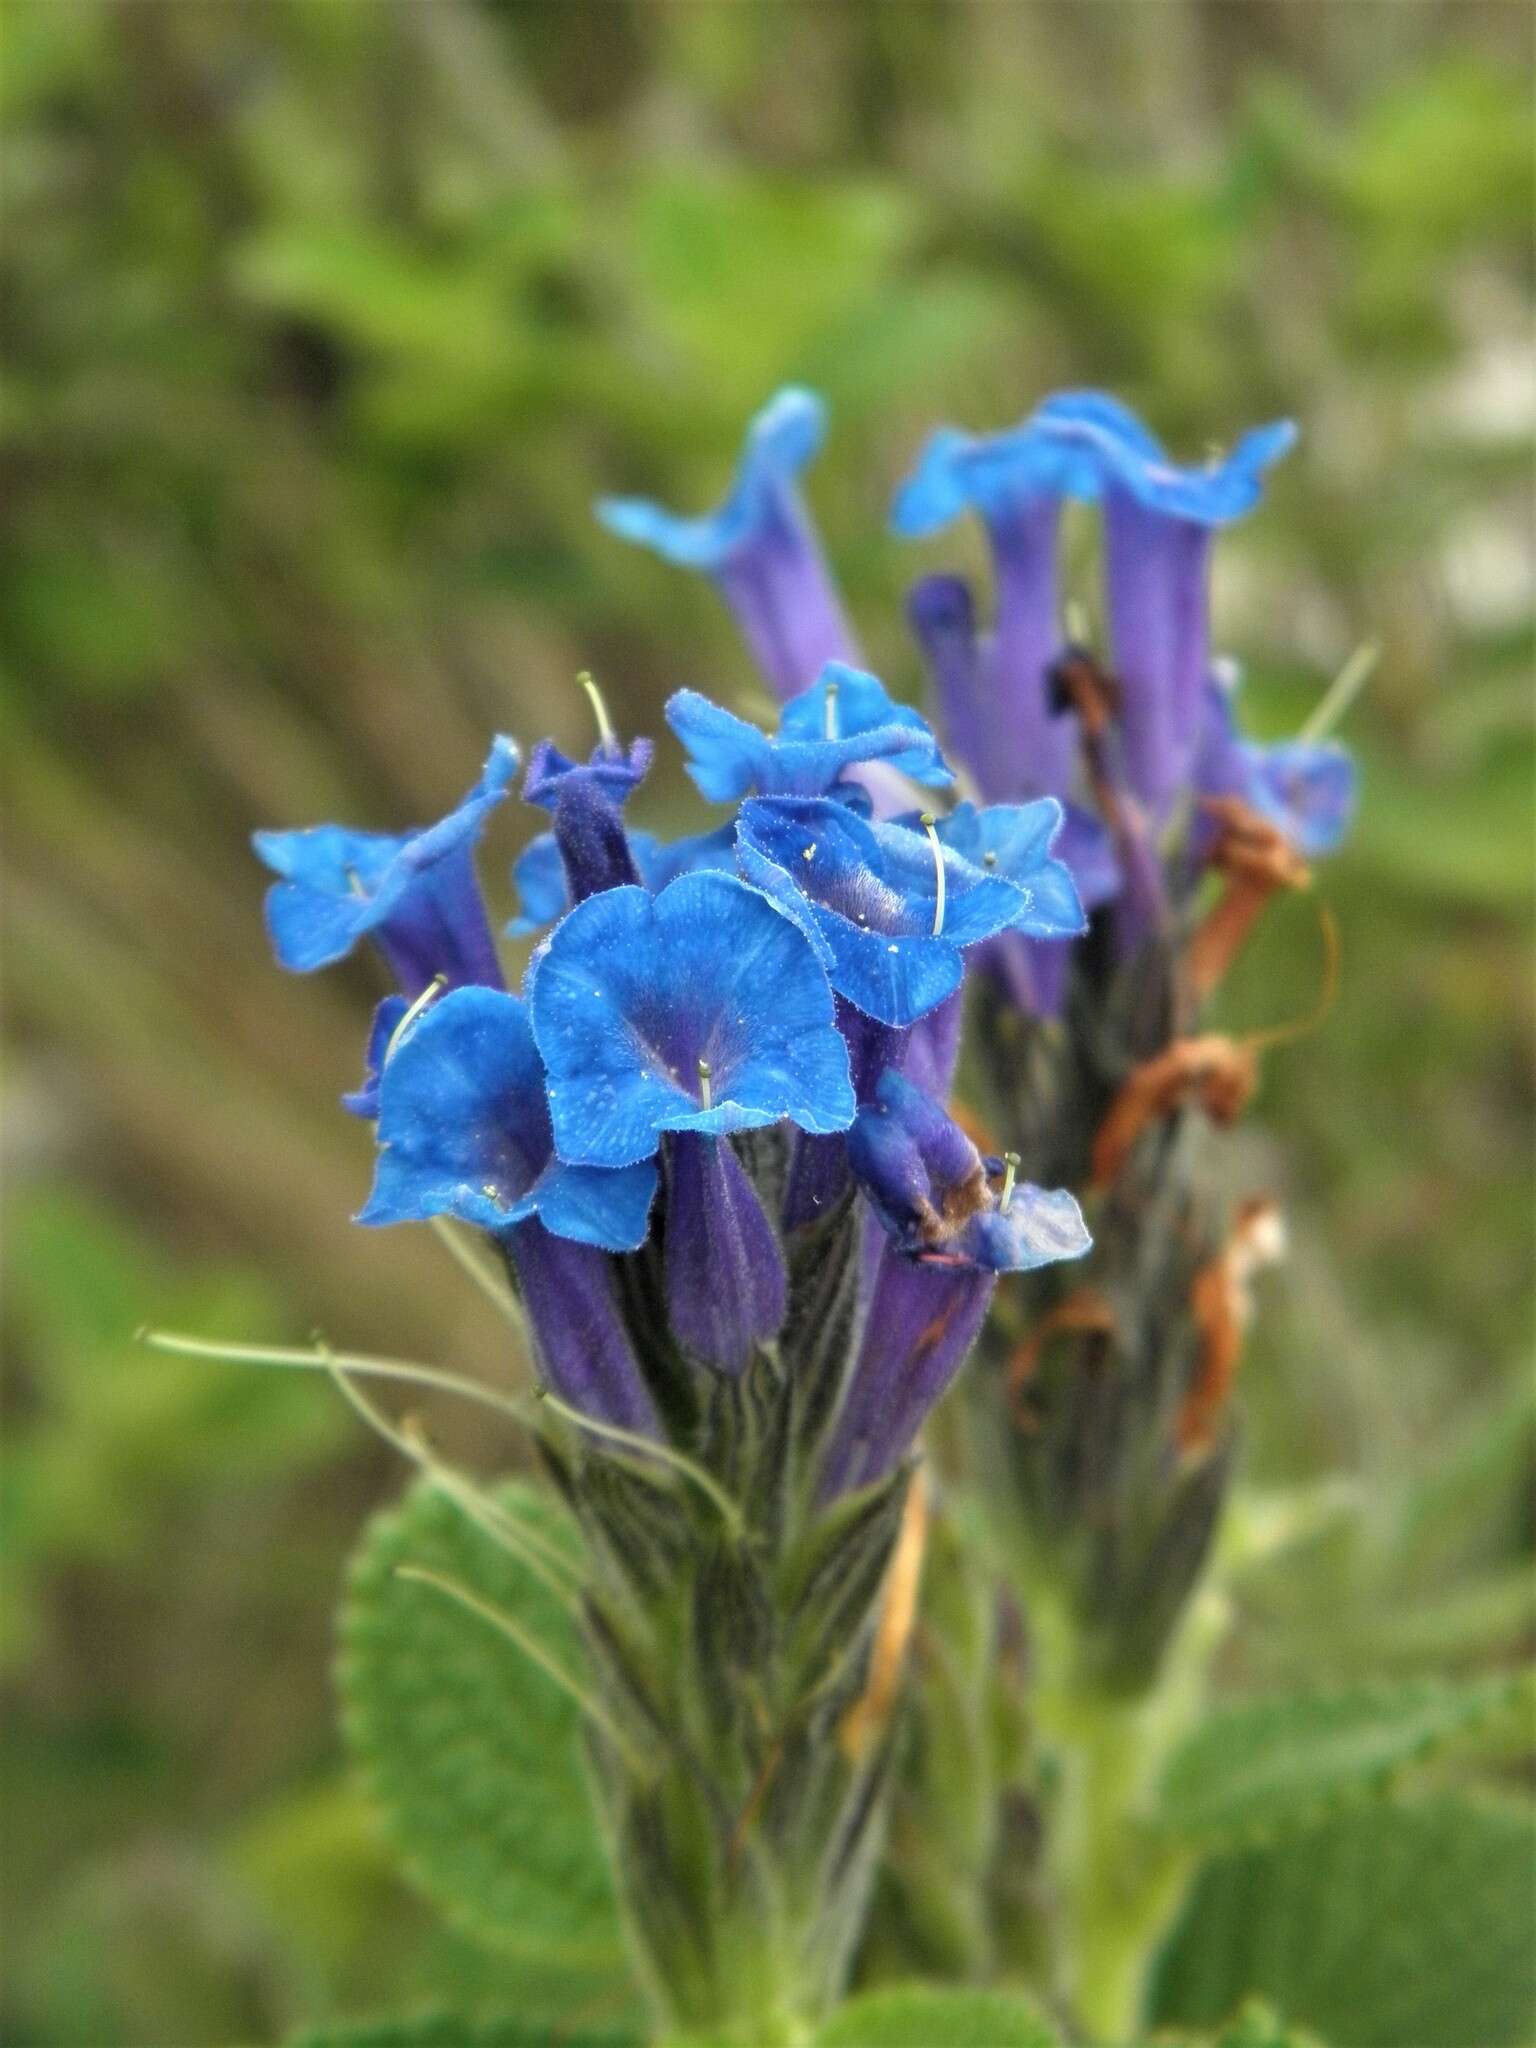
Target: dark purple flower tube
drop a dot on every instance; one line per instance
(725, 1278)
(924, 1316)
(584, 1353)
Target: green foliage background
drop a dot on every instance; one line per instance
(325, 320)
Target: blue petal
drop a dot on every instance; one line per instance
(1209, 495)
(661, 861)
(364, 1101)
(609, 1208)
(618, 771)
(415, 892)
(539, 877)
(1039, 1227)
(633, 990)
(780, 441)
(990, 474)
(866, 894)
(464, 1131)
(728, 757)
(860, 703)
(1310, 792)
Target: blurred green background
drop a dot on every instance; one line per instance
(324, 321)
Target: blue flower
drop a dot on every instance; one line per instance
(414, 894)
(866, 895)
(1018, 842)
(544, 894)
(464, 1130)
(701, 1009)
(760, 546)
(952, 1225)
(1158, 520)
(845, 719)
(939, 1199)
(617, 770)
(1308, 790)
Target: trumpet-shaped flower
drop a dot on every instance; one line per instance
(414, 894)
(843, 721)
(700, 1009)
(760, 547)
(939, 1199)
(867, 896)
(1158, 520)
(953, 1222)
(464, 1130)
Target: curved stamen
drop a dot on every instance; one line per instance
(1010, 1174)
(605, 731)
(429, 994)
(929, 823)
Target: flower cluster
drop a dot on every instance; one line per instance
(712, 1137)
(1174, 829)
(772, 975)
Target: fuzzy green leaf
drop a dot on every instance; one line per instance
(1270, 1764)
(468, 1749)
(924, 2016)
(1382, 1927)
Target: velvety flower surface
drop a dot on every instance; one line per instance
(760, 546)
(414, 893)
(844, 720)
(866, 895)
(617, 770)
(634, 992)
(464, 1130)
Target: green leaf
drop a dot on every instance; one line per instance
(1384, 1927)
(1270, 1764)
(1256, 2026)
(923, 2016)
(449, 2030)
(469, 1750)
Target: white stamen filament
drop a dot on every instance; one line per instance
(605, 731)
(928, 823)
(829, 713)
(706, 1096)
(1010, 1173)
(1341, 693)
(429, 994)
